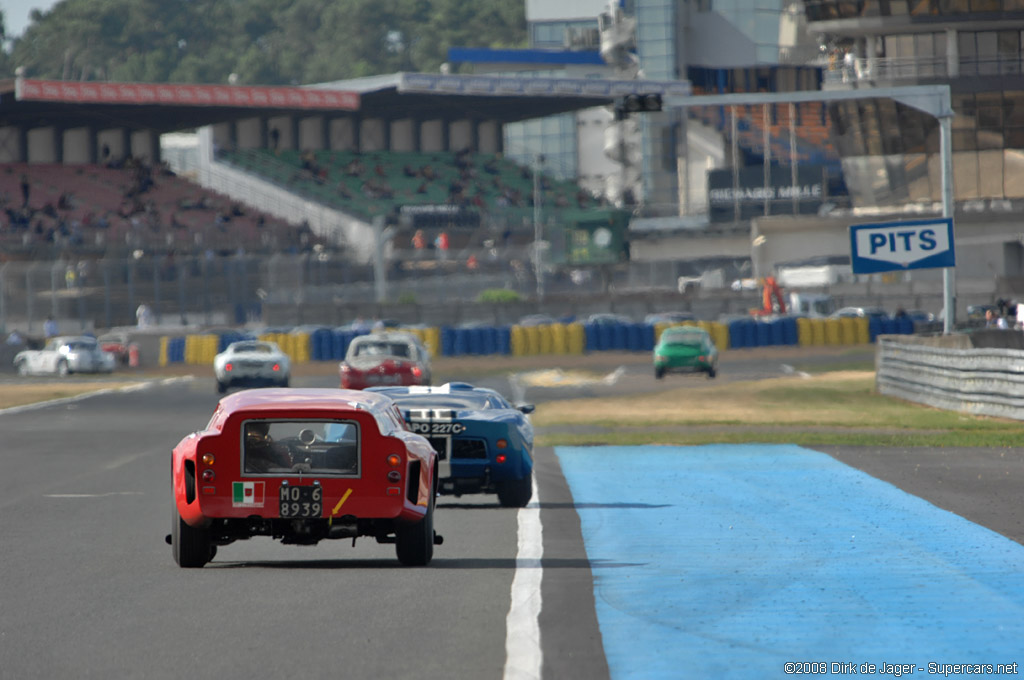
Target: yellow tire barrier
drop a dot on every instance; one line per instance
(577, 338)
(533, 340)
(804, 335)
(817, 332)
(832, 331)
(863, 333)
(546, 336)
(517, 341)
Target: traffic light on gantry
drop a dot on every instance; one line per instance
(637, 103)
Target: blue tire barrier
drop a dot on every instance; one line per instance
(503, 338)
(322, 345)
(648, 338)
(488, 340)
(447, 341)
(874, 328)
(906, 326)
(777, 332)
(737, 338)
(762, 333)
(620, 336)
(791, 336)
(225, 339)
(604, 338)
(340, 342)
(339, 345)
(176, 350)
(635, 335)
(459, 344)
(592, 336)
(750, 333)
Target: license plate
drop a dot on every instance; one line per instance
(301, 501)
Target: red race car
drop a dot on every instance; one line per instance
(301, 466)
(118, 344)
(388, 358)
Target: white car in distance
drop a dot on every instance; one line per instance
(251, 363)
(65, 355)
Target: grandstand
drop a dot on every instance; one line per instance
(114, 209)
(480, 200)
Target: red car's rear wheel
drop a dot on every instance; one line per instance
(191, 547)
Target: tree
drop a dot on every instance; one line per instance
(263, 41)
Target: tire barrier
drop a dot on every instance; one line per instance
(558, 339)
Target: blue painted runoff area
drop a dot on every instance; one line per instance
(732, 561)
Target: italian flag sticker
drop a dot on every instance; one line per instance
(247, 494)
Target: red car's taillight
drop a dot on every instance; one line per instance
(417, 371)
(228, 367)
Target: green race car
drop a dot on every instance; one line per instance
(685, 349)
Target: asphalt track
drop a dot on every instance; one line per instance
(90, 589)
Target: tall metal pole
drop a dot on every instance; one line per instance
(793, 158)
(537, 229)
(766, 157)
(3, 297)
(734, 132)
(380, 275)
(948, 275)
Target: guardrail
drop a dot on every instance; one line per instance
(569, 338)
(981, 381)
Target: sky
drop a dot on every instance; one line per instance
(16, 13)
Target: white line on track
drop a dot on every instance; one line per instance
(68, 400)
(523, 655)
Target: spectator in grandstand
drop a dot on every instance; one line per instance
(49, 327)
(354, 168)
(26, 188)
(144, 316)
(419, 241)
(410, 171)
(582, 198)
(15, 339)
(849, 65)
(275, 138)
(441, 244)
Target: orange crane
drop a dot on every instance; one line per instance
(773, 301)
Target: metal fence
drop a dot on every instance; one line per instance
(210, 290)
(982, 381)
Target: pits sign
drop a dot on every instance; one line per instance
(894, 246)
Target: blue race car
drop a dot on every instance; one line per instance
(484, 443)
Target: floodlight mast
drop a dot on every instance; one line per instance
(935, 100)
